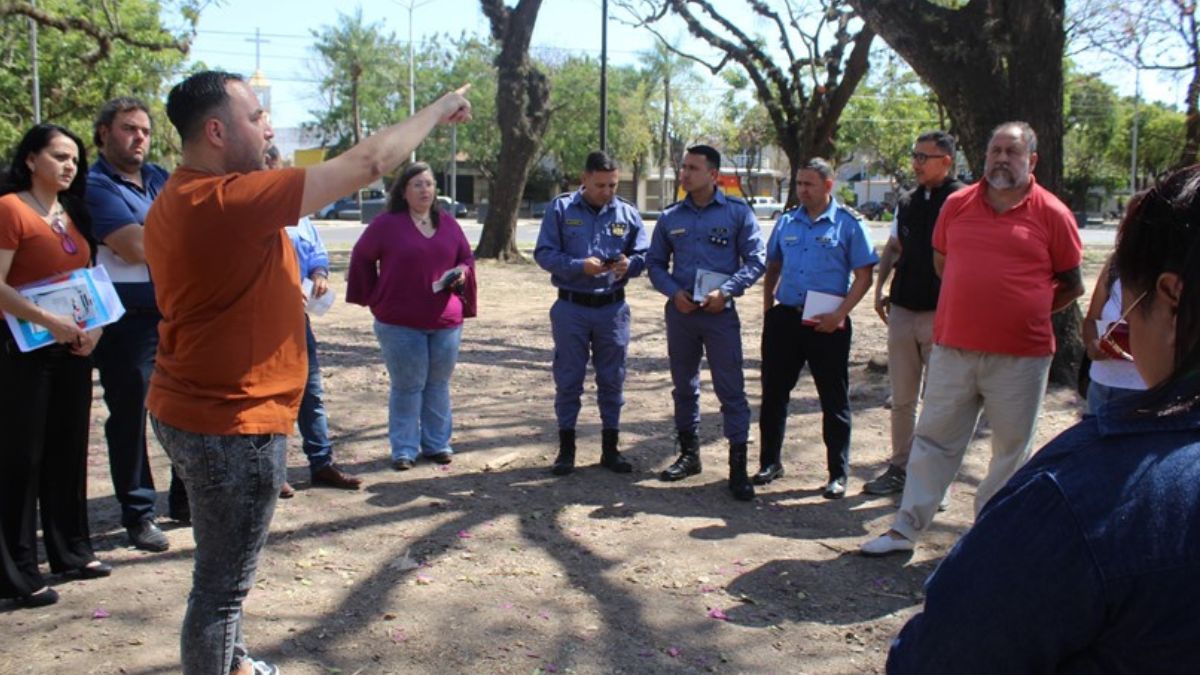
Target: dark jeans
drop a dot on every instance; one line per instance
(314, 427)
(45, 404)
(233, 483)
(787, 344)
(125, 359)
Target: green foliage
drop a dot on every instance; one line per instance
(72, 89)
(1091, 117)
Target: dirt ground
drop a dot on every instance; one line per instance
(490, 565)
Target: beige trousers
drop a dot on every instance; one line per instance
(910, 340)
(961, 385)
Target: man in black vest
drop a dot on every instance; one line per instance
(909, 306)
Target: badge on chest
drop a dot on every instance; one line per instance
(618, 229)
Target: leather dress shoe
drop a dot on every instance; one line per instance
(95, 570)
(42, 598)
(147, 537)
(836, 489)
(403, 464)
(768, 473)
(688, 464)
(441, 457)
(331, 476)
(286, 491)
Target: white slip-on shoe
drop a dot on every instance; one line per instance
(887, 544)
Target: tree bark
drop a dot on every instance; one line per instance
(523, 113)
(989, 62)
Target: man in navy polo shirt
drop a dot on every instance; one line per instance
(591, 242)
(706, 250)
(811, 256)
(121, 185)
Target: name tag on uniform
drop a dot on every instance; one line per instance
(573, 221)
(618, 229)
(678, 233)
(824, 239)
(791, 239)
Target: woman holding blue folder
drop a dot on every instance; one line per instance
(46, 397)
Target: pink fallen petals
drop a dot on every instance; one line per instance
(507, 605)
(424, 580)
(550, 668)
(399, 636)
(101, 613)
(646, 653)
(708, 589)
(544, 614)
(463, 534)
(718, 614)
(674, 652)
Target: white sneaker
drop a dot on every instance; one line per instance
(886, 544)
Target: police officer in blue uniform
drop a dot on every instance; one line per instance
(706, 250)
(814, 248)
(591, 242)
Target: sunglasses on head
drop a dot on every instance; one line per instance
(1115, 341)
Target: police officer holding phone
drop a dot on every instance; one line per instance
(591, 242)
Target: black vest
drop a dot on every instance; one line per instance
(915, 285)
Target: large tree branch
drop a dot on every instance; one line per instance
(104, 36)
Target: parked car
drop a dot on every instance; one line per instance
(456, 209)
(872, 210)
(766, 207)
(346, 208)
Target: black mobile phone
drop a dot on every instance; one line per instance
(612, 261)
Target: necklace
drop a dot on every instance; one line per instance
(422, 221)
(40, 204)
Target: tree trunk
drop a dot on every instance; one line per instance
(522, 112)
(992, 61)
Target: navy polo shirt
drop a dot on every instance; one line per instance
(113, 203)
(818, 254)
(722, 236)
(573, 230)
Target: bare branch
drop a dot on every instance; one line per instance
(104, 36)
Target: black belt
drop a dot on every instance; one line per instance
(591, 299)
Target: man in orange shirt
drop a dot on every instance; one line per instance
(1008, 252)
(232, 361)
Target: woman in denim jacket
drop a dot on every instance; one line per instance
(1088, 559)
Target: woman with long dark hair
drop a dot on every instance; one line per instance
(1088, 559)
(395, 269)
(46, 395)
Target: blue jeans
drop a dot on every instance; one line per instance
(232, 483)
(420, 363)
(313, 425)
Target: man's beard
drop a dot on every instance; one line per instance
(1004, 178)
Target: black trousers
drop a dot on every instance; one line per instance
(45, 406)
(787, 345)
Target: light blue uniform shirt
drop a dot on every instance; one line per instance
(724, 237)
(573, 230)
(818, 255)
(310, 250)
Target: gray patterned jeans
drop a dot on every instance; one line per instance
(232, 484)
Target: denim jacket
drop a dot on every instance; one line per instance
(1088, 561)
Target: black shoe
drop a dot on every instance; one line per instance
(147, 537)
(836, 489)
(768, 473)
(95, 570)
(688, 464)
(610, 457)
(403, 464)
(564, 463)
(739, 483)
(42, 598)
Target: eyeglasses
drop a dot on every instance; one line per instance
(1115, 341)
(64, 237)
(921, 158)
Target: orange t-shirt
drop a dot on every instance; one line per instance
(998, 284)
(39, 251)
(231, 353)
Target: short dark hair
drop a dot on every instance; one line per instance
(196, 98)
(822, 167)
(1028, 135)
(599, 161)
(110, 110)
(944, 141)
(398, 204)
(709, 153)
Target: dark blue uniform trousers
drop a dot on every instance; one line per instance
(719, 337)
(602, 333)
(787, 344)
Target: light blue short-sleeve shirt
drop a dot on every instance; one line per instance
(818, 254)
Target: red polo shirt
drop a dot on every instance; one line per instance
(998, 283)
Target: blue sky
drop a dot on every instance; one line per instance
(225, 40)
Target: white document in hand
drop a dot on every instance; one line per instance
(315, 306)
(707, 281)
(817, 303)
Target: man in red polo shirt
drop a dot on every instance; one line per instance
(1008, 252)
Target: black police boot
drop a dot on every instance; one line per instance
(610, 457)
(565, 462)
(739, 482)
(688, 463)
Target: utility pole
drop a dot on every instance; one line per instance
(604, 76)
(1133, 153)
(33, 59)
(412, 5)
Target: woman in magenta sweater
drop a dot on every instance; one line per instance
(394, 268)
